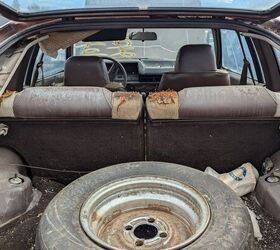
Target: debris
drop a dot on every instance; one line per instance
(212, 172)
(242, 180)
(124, 96)
(163, 105)
(115, 86)
(163, 97)
(256, 228)
(20, 234)
(269, 227)
(39, 215)
(267, 166)
(126, 105)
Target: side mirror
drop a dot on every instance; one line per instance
(143, 36)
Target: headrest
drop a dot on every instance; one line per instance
(86, 71)
(178, 81)
(195, 58)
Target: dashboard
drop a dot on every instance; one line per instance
(143, 75)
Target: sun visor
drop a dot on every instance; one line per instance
(63, 40)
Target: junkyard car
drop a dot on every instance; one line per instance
(139, 124)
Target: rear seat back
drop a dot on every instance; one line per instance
(226, 102)
(59, 102)
(86, 128)
(72, 102)
(218, 126)
(214, 103)
(74, 128)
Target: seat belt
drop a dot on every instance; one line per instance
(244, 73)
(39, 66)
(246, 66)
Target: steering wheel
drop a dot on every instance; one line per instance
(114, 70)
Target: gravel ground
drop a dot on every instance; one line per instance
(20, 234)
(269, 227)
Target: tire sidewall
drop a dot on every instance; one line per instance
(229, 228)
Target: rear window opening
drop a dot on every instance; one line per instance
(144, 114)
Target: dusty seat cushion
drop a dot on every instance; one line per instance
(163, 105)
(226, 102)
(56, 102)
(126, 105)
(219, 102)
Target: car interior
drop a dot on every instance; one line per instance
(81, 97)
(71, 97)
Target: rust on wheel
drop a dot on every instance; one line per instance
(145, 213)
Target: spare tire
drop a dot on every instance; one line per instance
(146, 205)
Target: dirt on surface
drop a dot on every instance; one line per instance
(269, 227)
(20, 234)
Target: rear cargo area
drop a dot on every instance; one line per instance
(20, 234)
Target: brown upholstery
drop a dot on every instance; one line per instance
(195, 66)
(73, 102)
(221, 144)
(226, 102)
(86, 71)
(223, 102)
(51, 102)
(221, 127)
(73, 128)
(179, 81)
(195, 58)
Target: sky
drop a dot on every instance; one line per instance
(36, 5)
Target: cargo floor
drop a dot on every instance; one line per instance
(20, 234)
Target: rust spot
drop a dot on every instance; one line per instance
(122, 101)
(6, 94)
(124, 96)
(175, 231)
(163, 97)
(159, 208)
(94, 216)
(113, 216)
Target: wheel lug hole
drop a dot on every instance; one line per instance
(128, 227)
(163, 235)
(151, 220)
(139, 243)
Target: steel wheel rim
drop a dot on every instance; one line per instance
(145, 212)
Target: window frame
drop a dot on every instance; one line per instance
(34, 81)
(253, 53)
(256, 60)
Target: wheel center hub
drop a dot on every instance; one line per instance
(145, 231)
(145, 213)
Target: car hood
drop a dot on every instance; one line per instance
(257, 11)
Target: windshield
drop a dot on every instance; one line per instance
(33, 6)
(165, 47)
